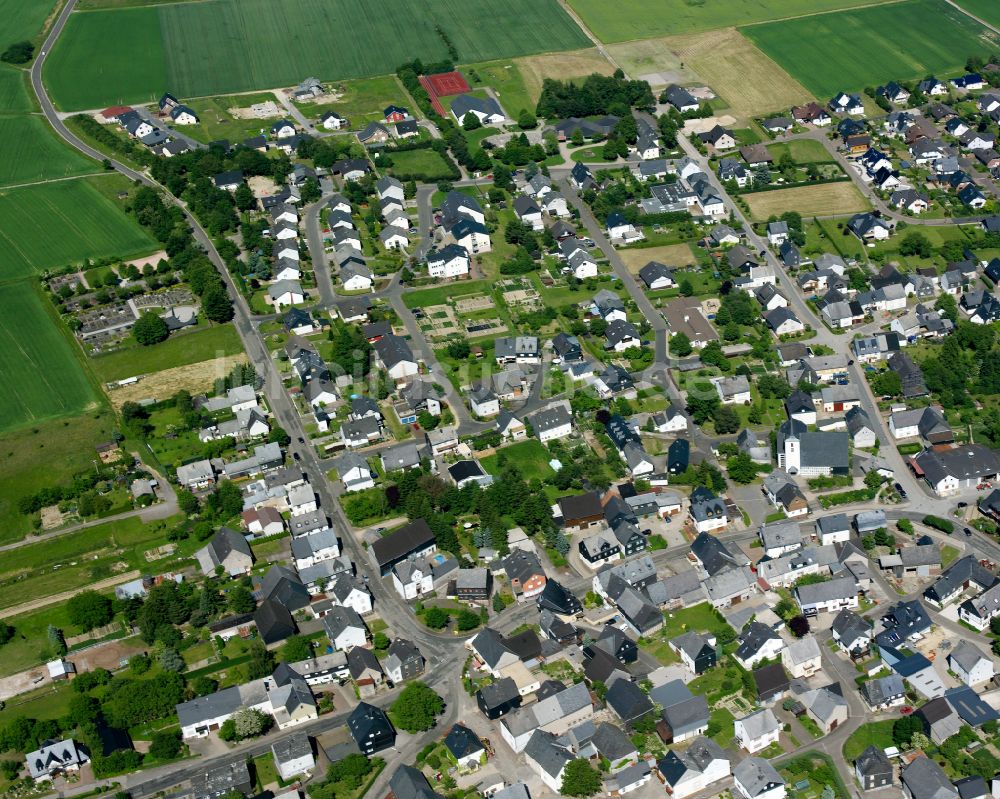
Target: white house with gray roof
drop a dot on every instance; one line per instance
(756, 778)
(970, 664)
(831, 596)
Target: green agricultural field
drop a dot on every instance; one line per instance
(50, 225)
(901, 41)
(23, 19)
(643, 19)
(43, 378)
(271, 43)
(180, 349)
(986, 10)
(14, 94)
(33, 153)
(42, 455)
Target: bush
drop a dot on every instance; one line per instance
(938, 523)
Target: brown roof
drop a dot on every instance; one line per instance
(684, 315)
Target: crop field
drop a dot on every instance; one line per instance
(986, 10)
(53, 224)
(14, 96)
(272, 43)
(824, 200)
(901, 41)
(23, 19)
(42, 377)
(33, 153)
(740, 73)
(642, 19)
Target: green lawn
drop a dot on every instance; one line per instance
(43, 377)
(54, 224)
(427, 163)
(271, 44)
(878, 733)
(29, 646)
(803, 151)
(505, 78)
(636, 19)
(178, 350)
(530, 457)
(699, 618)
(33, 153)
(903, 41)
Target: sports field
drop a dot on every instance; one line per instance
(739, 72)
(902, 41)
(53, 224)
(42, 377)
(642, 19)
(33, 153)
(273, 43)
(823, 200)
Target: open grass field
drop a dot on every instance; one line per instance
(23, 19)
(530, 457)
(50, 225)
(14, 94)
(178, 350)
(507, 80)
(438, 295)
(560, 66)
(638, 19)
(652, 60)
(43, 378)
(986, 10)
(72, 561)
(803, 151)
(271, 44)
(739, 73)
(362, 101)
(901, 41)
(45, 454)
(824, 200)
(217, 123)
(426, 162)
(32, 153)
(669, 254)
